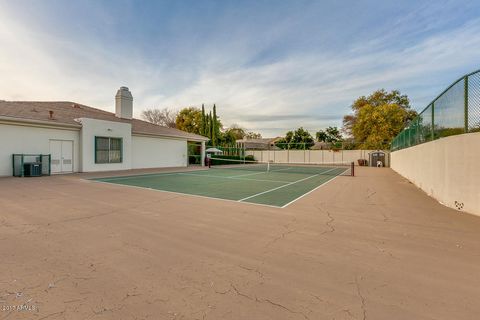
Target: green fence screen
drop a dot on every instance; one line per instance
(455, 111)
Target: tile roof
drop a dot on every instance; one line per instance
(260, 144)
(260, 140)
(65, 112)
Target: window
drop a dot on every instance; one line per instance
(108, 150)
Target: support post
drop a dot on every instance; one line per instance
(433, 121)
(22, 171)
(465, 92)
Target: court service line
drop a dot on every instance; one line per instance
(249, 174)
(230, 177)
(321, 172)
(286, 185)
(284, 169)
(305, 194)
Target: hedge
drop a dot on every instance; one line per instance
(225, 159)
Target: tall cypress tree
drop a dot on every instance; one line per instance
(203, 128)
(213, 137)
(207, 126)
(215, 123)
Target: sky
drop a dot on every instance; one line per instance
(269, 66)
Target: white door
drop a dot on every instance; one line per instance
(62, 156)
(67, 156)
(56, 156)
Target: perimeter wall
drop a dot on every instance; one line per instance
(447, 169)
(312, 156)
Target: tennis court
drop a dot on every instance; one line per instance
(271, 184)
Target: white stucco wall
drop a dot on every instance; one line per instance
(92, 128)
(32, 139)
(447, 169)
(312, 156)
(153, 152)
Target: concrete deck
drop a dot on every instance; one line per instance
(76, 249)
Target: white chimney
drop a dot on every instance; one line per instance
(124, 103)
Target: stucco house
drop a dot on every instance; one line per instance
(85, 139)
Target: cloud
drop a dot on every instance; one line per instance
(323, 86)
(259, 80)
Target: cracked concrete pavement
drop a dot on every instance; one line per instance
(369, 247)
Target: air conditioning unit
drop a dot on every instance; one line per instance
(32, 169)
(31, 165)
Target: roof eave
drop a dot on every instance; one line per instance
(38, 123)
(189, 138)
(70, 126)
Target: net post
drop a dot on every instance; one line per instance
(352, 165)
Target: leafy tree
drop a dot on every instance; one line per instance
(163, 117)
(321, 136)
(252, 135)
(196, 120)
(377, 126)
(349, 144)
(189, 120)
(298, 139)
(236, 132)
(227, 138)
(378, 118)
(330, 135)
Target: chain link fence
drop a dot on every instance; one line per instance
(455, 111)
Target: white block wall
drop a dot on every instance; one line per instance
(29, 139)
(312, 156)
(152, 152)
(447, 169)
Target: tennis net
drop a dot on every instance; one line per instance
(334, 168)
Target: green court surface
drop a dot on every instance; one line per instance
(272, 188)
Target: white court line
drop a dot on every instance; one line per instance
(305, 194)
(286, 185)
(249, 174)
(147, 175)
(290, 168)
(211, 197)
(230, 177)
(182, 194)
(284, 169)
